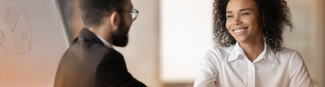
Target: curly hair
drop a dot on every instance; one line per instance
(275, 17)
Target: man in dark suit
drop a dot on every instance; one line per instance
(91, 61)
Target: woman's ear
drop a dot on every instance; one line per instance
(114, 19)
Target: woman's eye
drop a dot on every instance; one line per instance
(229, 16)
(245, 14)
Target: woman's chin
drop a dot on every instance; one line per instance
(241, 39)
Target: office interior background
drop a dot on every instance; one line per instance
(167, 40)
(170, 37)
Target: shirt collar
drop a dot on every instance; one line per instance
(105, 42)
(266, 54)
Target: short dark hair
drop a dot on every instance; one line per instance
(93, 11)
(275, 17)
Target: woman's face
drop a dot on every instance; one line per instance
(243, 20)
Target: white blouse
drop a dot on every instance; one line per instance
(229, 67)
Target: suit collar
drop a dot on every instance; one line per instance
(267, 54)
(86, 35)
(107, 44)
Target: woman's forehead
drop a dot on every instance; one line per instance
(236, 5)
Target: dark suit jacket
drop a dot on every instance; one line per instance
(88, 63)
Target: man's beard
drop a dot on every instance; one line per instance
(120, 35)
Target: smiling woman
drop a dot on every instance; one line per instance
(272, 16)
(251, 53)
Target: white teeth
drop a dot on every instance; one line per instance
(240, 30)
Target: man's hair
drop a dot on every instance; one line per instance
(94, 11)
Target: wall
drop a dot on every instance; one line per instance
(186, 35)
(306, 37)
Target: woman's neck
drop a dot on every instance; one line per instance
(252, 49)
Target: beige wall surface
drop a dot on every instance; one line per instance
(307, 36)
(321, 34)
(186, 35)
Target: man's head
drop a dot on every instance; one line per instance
(111, 16)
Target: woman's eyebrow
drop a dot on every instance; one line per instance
(244, 9)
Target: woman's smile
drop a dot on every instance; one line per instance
(239, 31)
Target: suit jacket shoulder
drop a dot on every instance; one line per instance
(88, 63)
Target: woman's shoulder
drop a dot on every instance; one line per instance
(221, 50)
(287, 51)
(287, 54)
(218, 53)
(215, 56)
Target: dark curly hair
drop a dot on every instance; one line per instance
(275, 17)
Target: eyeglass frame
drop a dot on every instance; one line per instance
(133, 11)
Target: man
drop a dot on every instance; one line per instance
(91, 61)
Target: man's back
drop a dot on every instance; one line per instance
(88, 63)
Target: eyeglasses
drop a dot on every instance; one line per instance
(134, 13)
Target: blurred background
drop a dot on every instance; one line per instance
(170, 37)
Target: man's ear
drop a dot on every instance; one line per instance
(115, 19)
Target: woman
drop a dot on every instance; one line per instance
(251, 54)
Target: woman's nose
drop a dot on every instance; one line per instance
(237, 21)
